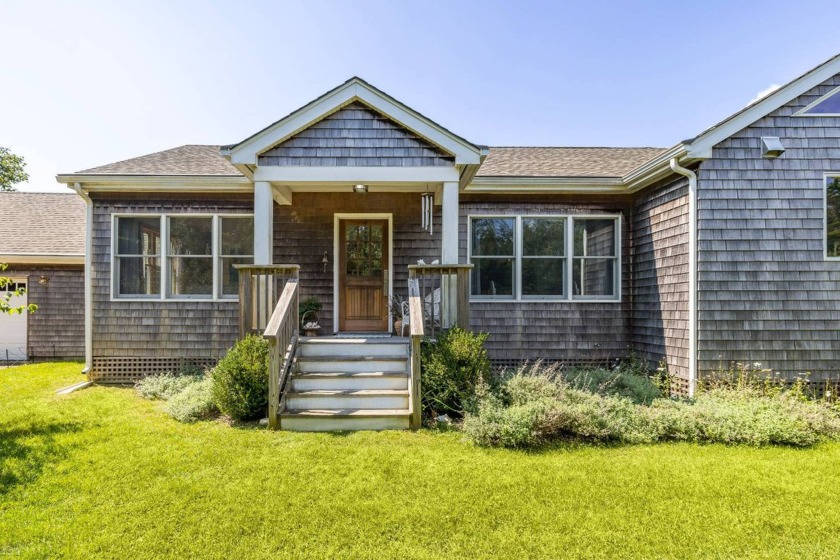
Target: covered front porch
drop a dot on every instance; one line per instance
(356, 381)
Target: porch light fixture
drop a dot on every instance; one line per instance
(360, 189)
(771, 147)
(43, 280)
(325, 261)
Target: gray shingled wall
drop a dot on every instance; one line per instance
(57, 328)
(303, 232)
(660, 275)
(157, 328)
(564, 331)
(356, 136)
(765, 292)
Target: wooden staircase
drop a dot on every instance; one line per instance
(348, 384)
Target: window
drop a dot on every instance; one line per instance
(493, 257)
(180, 256)
(832, 216)
(595, 258)
(826, 106)
(545, 257)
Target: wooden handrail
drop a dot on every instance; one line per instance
(282, 335)
(415, 324)
(259, 289)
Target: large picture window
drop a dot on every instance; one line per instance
(180, 256)
(832, 216)
(545, 257)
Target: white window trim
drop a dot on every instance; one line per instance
(568, 297)
(803, 112)
(164, 257)
(826, 177)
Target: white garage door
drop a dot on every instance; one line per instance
(13, 327)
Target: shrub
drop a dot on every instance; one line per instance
(164, 385)
(194, 402)
(537, 405)
(454, 366)
(630, 379)
(240, 380)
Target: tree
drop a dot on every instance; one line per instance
(12, 170)
(5, 306)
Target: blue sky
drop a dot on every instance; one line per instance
(85, 83)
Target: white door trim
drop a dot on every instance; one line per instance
(337, 217)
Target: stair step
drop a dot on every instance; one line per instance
(352, 358)
(348, 399)
(319, 420)
(349, 380)
(352, 364)
(353, 347)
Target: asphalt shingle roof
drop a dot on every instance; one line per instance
(192, 159)
(564, 162)
(42, 223)
(505, 161)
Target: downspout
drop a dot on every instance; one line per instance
(692, 272)
(88, 277)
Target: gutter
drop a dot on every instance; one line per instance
(88, 277)
(692, 272)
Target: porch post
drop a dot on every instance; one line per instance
(449, 223)
(263, 223)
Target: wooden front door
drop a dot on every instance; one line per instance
(363, 275)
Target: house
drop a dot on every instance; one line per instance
(42, 240)
(722, 247)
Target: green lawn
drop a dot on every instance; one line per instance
(103, 473)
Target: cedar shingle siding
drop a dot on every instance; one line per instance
(57, 328)
(576, 331)
(765, 292)
(356, 136)
(304, 231)
(156, 328)
(660, 275)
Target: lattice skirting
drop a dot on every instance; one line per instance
(131, 369)
(512, 363)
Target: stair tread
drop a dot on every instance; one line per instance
(359, 374)
(343, 358)
(348, 393)
(345, 413)
(361, 340)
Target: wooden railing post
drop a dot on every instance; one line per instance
(463, 318)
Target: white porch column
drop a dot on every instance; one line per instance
(263, 223)
(449, 223)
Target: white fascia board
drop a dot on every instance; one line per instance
(159, 183)
(506, 185)
(42, 258)
(248, 151)
(701, 146)
(355, 175)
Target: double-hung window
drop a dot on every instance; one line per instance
(542, 257)
(180, 256)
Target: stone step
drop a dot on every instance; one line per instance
(349, 381)
(371, 399)
(317, 420)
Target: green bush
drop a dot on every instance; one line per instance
(164, 385)
(194, 402)
(536, 405)
(630, 379)
(454, 366)
(240, 380)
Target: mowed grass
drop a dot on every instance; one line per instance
(102, 473)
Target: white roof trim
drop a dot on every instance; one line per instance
(247, 151)
(701, 146)
(162, 183)
(42, 258)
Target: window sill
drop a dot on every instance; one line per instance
(173, 300)
(552, 300)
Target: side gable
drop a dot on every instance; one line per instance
(356, 136)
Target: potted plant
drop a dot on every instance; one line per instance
(395, 308)
(308, 309)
